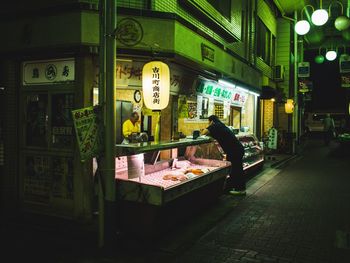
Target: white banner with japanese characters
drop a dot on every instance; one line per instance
(48, 71)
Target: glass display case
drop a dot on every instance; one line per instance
(143, 175)
(160, 184)
(253, 151)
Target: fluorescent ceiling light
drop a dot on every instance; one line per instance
(226, 83)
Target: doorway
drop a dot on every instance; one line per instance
(235, 117)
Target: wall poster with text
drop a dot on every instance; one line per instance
(62, 177)
(37, 179)
(62, 122)
(36, 120)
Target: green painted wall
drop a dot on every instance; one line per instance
(44, 31)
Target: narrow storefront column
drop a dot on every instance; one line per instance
(108, 217)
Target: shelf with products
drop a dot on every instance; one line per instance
(253, 152)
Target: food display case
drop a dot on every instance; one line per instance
(159, 184)
(253, 152)
(141, 176)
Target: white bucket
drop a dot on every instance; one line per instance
(136, 166)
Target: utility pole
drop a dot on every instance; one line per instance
(107, 205)
(295, 118)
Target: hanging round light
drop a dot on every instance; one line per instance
(331, 55)
(302, 27)
(319, 17)
(289, 106)
(342, 23)
(319, 59)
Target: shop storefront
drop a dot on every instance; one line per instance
(46, 159)
(235, 105)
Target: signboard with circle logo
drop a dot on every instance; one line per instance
(48, 71)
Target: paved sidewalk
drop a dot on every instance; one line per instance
(301, 215)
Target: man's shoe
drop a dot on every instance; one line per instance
(238, 193)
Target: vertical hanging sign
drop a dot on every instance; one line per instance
(303, 70)
(156, 85)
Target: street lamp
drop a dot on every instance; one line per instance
(331, 55)
(302, 27)
(342, 22)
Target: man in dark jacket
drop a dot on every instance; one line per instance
(234, 153)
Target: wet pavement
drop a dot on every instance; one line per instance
(297, 210)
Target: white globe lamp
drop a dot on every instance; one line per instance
(319, 17)
(331, 55)
(342, 23)
(302, 27)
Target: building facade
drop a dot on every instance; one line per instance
(221, 54)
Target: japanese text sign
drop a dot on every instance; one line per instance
(87, 124)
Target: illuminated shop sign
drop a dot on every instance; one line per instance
(219, 92)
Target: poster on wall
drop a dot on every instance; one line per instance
(37, 180)
(192, 110)
(227, 108)
(211, 107)
(62, 122)
(62, 177)
(88, 124)
(199, 106)
(183, 106)
(36, 122)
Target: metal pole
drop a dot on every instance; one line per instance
(101, 102)
(295, 89)
(110, 132)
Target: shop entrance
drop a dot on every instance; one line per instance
(47, 147)
(235, 117)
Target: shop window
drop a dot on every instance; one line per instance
(264, 42)
(49, 118)
(223, 6)
(36, 120)
(204, 109)
(219, 110)
(62, 123)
